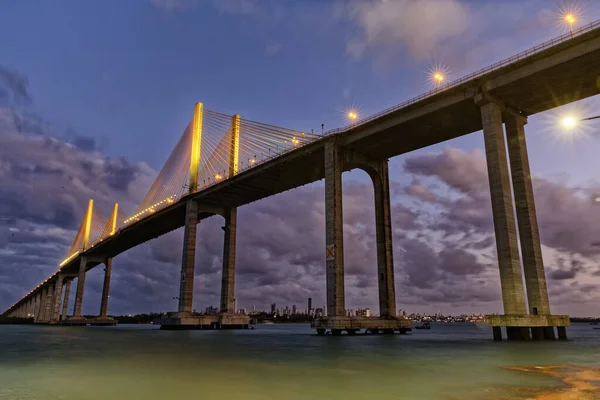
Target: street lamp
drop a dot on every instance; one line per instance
(438, 77)
(570, 20)
(569, 122)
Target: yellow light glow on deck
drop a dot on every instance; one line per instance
(66, 260)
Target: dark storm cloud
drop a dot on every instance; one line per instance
(566, 215)
(463, 171)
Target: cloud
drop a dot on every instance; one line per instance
(14, 88)
(175, 5)
(421, 26)
(273, 49)
(235, 6)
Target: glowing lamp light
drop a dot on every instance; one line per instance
(439, 77)
(252, 161)
(352, 115)
(295, 141)
(568, 122)
(570, 18)
(217, 176)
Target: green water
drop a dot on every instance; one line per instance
(452, 361)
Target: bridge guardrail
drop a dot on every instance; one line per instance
(520, 56)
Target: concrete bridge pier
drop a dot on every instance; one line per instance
(65, 300)
(338, 159)
(229, 318)
(103, 318)
(54, 317)
(520, 325)
(77, 318)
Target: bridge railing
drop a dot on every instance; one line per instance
(520, 56)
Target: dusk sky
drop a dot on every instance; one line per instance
(95, 95)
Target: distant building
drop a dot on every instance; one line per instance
(235, 305)
(273, 308)
(294, 310)
(309, 305)
(363, 312)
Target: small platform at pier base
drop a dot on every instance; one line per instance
(192, 321)
(76, 321)
(353, 325)
(529, 327)
(103, 321)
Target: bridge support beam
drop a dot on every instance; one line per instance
(229, 317)
(383, 228)
(533, 265)
(186, 288)
(47, 313)
(65, 301)
(338, 159)
(106, 288)
(103, 318)
(519, 324)
(80, 288)
(56, 300)
(38, 306)
(334, 231)
(507, 248)
(228, 274)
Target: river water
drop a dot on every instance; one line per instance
(450, 361)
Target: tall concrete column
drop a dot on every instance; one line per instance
(48, 303)
(186, 288)
(502, 208)
(383, 230)
(105, 288)
(80, 287)
(228, 275)
(531, 250)
(334, 240)
(38, 306)
(57, 299)
(42, 313)
(65, 303)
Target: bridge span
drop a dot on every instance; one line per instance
(259, 160)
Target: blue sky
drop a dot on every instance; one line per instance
(130, 72)
(127, 73)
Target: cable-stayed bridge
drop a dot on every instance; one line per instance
(222, 162)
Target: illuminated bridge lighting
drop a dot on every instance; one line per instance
(66, 260)
(151, 209)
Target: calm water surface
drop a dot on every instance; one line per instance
(451, 361)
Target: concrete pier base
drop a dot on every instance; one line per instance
(103, 321)
(352, 325)
(76, 321)
(182, 321)
(529, 327)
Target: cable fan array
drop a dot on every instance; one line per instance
(228, 145)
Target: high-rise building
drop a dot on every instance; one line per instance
(253, 308)
(294, 309)
(309, 305)
(273, 308)
(235, 305)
